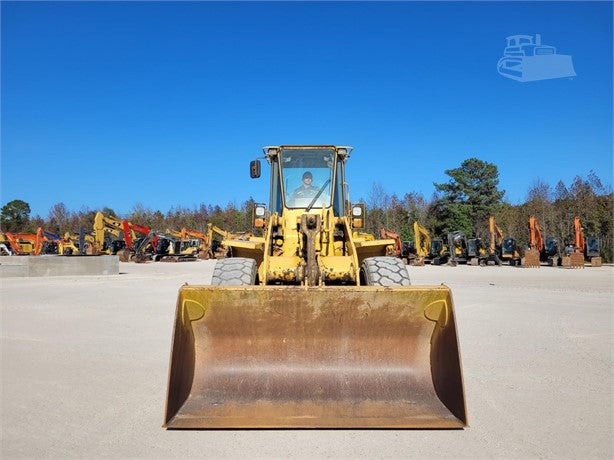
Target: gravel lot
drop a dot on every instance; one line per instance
(85, 361)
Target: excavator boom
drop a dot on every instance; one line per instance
(532, 255)
(398, 246)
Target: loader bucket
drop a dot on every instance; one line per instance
(315, 357)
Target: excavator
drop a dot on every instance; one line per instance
(203, 244)
(130, 231)
(532, 255)
(463, 250)
(108, 234)
(82, 243)
(5, 246)
(206, 246)
(457, 245)
(217, 247)
(583, 246)
(430, 251)
(389, 234)
(13, 248)
(539, 250)
(502, 248)
(116, 236)
(164, 247)
(54, 244)
(26, 243)
(477, 254)
(188, 242)
(310, 327)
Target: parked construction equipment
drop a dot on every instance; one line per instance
(108, 234)
(130, 232)
(54, 244)
(582, 247)
(430, 251)
(308, 326)
(389, 234)
(457, 245)
(477, 253)
(11, 244)
(5, 246)
(82, 243)
(24, 243)
(593, 250)
(539, 250)
(536, 245)
(503, 248)
(463, 250)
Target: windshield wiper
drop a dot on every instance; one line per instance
(315, 198)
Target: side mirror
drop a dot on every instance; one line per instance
(254, 169)
(259, 215)
(358, 215)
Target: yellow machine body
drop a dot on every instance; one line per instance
(315, 337)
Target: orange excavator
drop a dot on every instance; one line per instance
(540, 250)
(386, 234)
(205, 251)
(26, 243)
(589, 247)
(130, 231)
(536, 245)
(574, 254)
(14, 245)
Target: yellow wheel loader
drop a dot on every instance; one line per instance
(310, 326)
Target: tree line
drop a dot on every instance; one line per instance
(465, 202)
(472, 195)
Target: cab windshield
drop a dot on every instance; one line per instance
(307, 177)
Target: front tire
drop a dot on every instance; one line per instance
(384, 271)
(236, 271)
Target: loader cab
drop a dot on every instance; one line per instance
(307, 178)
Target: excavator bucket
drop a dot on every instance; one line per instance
(315, 357)
(531, 258)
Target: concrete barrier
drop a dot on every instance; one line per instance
(20, 266)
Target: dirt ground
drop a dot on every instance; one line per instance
(85, 361)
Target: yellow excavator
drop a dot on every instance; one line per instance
(430, 251)
(203, 244)
(502, 248)
(108, 234)
(309, 327)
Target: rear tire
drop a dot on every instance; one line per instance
(384, 271)
(236, 271)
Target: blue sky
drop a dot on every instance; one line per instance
(165, 104)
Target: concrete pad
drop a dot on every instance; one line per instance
(85, 361)
(51, 265)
